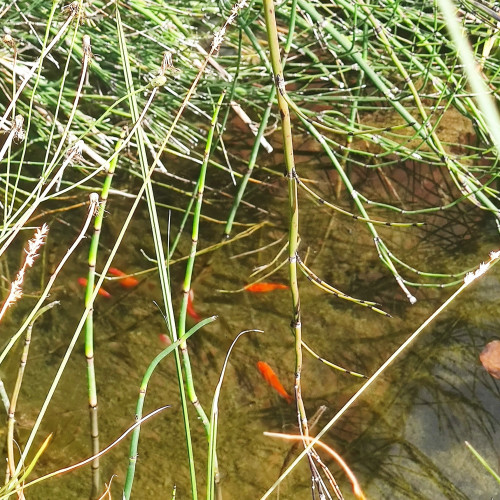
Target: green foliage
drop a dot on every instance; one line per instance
(373, 86)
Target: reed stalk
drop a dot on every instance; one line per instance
(11, 465)
(293, 206)
(89, 328)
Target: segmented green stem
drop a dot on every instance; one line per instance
(464, 181)
(17, 388)
(293, 230)
(129, 479)
(483, 268)
(251, 163)
(94, 202)
(186, 287)
(158, 241)
(89, 324)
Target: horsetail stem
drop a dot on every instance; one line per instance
(186, 287)
(494, 257)
(129, 480)
(251, 163)
(293, 235)
(37, 66)
(157, 237)
(89, 328)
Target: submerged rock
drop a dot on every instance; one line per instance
(490, 358)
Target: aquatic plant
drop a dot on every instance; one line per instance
(174, 105)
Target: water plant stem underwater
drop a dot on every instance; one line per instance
(293, 231)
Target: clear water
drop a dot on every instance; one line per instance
(403, 439)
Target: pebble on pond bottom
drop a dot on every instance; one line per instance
(490, 358)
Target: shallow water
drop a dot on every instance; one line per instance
(403, 439)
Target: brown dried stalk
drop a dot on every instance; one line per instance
(16, 289)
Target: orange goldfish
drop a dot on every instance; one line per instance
(272, 379)
(127, 282)
(265, 287)
(190, 309)
(83, 282)
(164, 339)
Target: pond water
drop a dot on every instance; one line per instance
(404, 438)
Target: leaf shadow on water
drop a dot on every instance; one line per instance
(412, 442)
